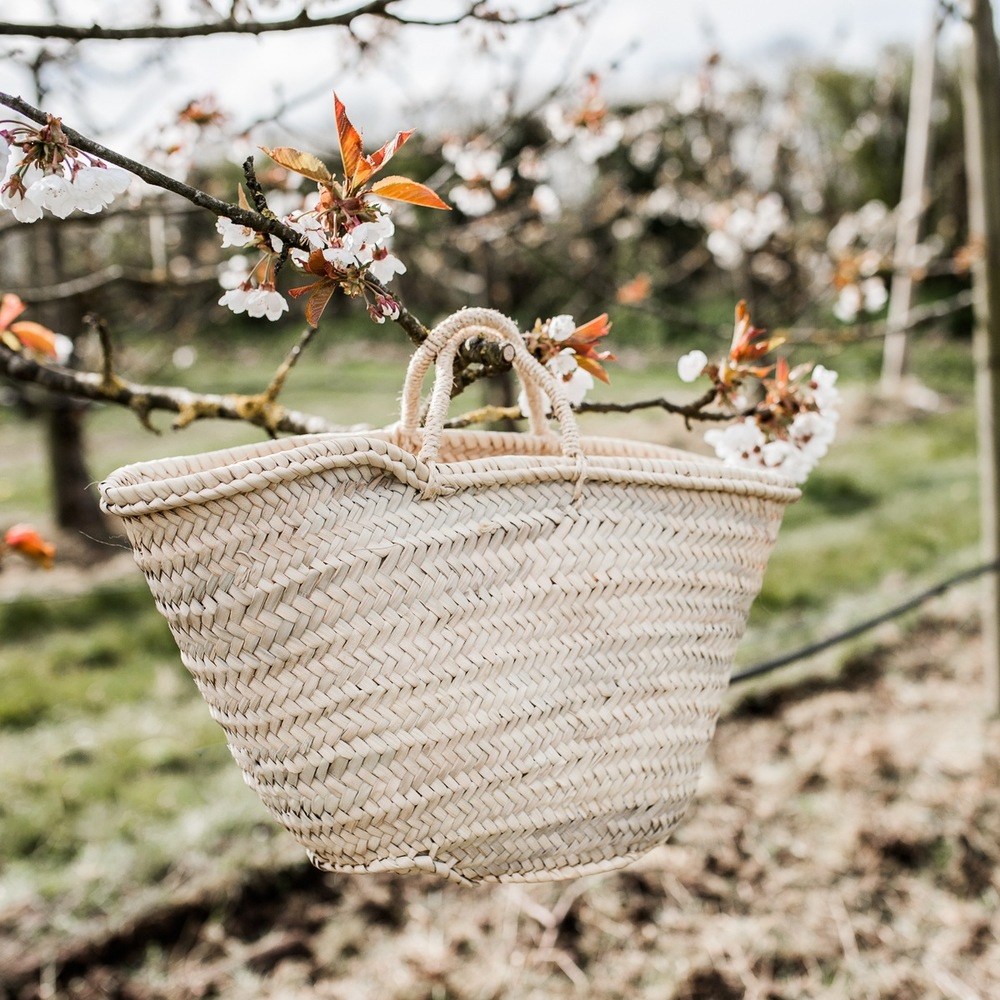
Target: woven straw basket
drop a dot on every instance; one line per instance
(498, 657)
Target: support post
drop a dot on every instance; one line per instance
(912, 203)
(981, 99)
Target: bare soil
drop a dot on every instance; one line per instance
(844, 844)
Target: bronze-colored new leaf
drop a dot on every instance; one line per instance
(592, 365)
(371, 165)
(350, 140)
(301, 163)
(318, 299)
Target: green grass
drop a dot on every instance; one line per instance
(899, 497)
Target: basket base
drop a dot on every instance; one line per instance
(423, 864)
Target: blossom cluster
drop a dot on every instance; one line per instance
(42, 171)
(345, 227)
(570, 353)
(795, 424)
(486, 182)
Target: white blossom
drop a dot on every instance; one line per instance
(737, 443)
(383, 268)
(372, 233)
(813, 433)
(309, 226)
(577, 386)
(86, 189)
(23, 209)
(472, 201)
(691, 365)
(592, 144)
(53, 192)
(546, 202)
(502, 180)
(267, 302)
(561, 327)
(233, 234)
(340, 256)
(574, 381)
(236, 299)
(725, 249)
(782, 456)
(98, 186)
(848, 304)
(564, 363)
(63, 347)
(823, 383)
(255, 302)
(875, 294)
(472, 164)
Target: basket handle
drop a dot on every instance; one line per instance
(441, 348)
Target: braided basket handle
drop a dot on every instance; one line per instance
(441, 348)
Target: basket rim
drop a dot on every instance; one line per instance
(509, 458)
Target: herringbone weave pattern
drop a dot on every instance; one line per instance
(501, 660)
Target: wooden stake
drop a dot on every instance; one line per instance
(912, 202)
(981, 98)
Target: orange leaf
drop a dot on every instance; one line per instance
(10, 308)
(301, 163)
(403, 189)
(36, 337)
(592, 331)
(350, 140)
(635, 291)
(371, 165)
(25, 539)
(593, 366)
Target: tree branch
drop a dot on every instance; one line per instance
(489, 356)
(244, 217)
(302, 20)
(262, 409)
(142, 400)
(695, 410)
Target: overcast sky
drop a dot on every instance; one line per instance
(654, 41)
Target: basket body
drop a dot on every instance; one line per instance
(500, 682)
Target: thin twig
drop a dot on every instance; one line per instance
(278, 381)
(100, 327)
(695, 410)
(301, 21)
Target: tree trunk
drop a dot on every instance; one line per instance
(75, 499)
(912, 203)
(981, 94)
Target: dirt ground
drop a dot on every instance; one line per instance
(844, 844)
